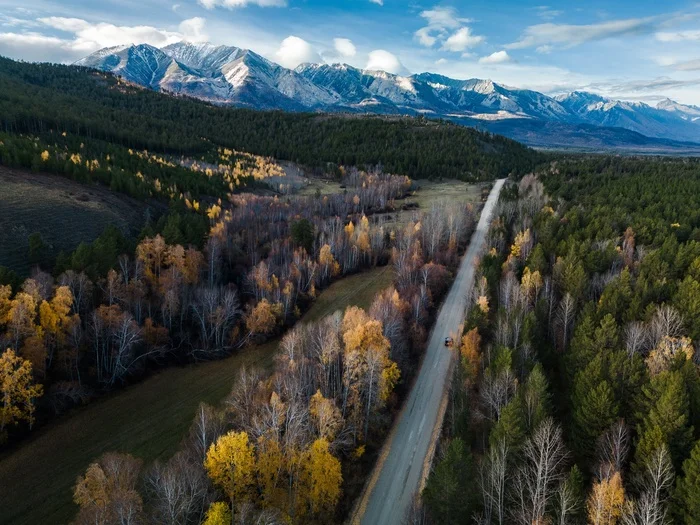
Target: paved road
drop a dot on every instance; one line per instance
(400, 475)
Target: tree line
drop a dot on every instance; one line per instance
(40, 98)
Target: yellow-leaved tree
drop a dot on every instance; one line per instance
(261, 319)
(17, 391)
(369, 376)
(321, 478)
(606, 501)
(230, 463)
(107, 492)
(270, 465)
(471, 353)
(218, 514)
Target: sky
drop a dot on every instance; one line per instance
(632, 50)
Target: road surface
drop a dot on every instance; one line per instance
(392, 489)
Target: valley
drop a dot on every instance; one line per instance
(234, 292)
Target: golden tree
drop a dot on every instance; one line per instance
(321, 478)
(661, 357)
(325, 416)
(218, 514)
(606, 501)
(471, 353)
(269, 466)
(17, 389)
(107, 492)
(230, 463)
(261, 319)
(369, 376)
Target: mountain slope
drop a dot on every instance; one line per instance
(634, 116)
(40, 99)
(226, 75)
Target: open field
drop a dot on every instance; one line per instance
(65, 212)
(148, 419)
(426, 193)
(431, 192)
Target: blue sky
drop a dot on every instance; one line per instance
(633, 50)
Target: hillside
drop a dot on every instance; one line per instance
(41, 99)
(231, 76)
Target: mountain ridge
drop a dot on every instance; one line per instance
(228, 75)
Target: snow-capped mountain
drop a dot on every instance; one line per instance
(217, 74)
(228, 75)
(658, 122)
(691, 113)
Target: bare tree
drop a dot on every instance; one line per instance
(613, 448)
(652, 506)
(535, 481)
(565, 318)
(568, 503)
(666, 322)
(492, 480)
(207, 426)
(636, 338)
(496, 392)
(179, 489)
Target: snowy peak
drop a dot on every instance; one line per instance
(688, 113)
(142, 64)
(229, 75)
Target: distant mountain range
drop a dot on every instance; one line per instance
(232, 76)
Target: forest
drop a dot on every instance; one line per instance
(576, 396)
(111, 312)
(45, 101)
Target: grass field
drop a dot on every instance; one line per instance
(65, 212)
(148, 419)
(451, 191)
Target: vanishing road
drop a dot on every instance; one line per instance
(393, 488)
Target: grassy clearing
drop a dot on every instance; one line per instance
(426, 193)
(65, 212)
(448, 192)
(148, 419)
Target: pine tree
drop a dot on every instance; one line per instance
(594, 411)
(511, 426)
(667, 416)
(687, 493)
(449, 494)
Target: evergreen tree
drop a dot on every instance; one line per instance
(449, 491)
(687, 494)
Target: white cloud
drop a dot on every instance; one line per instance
(344, 47)
(444, 25)
(378, 2)
(547, 13)
(232, 4)
(85, 38)
(688, 65)
(462, 39)
(567, 35)
(381, 60)
(193, 30)
(680, 36)
(443, 18)
(175, 7)
(425, 37)
(499, 57)
(294, 51)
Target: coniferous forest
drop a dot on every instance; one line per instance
(576, 396)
